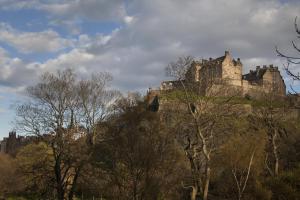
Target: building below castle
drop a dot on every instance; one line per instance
(10, 144)
(223, 76)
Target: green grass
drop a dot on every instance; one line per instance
(181, 96)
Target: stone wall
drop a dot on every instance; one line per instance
(272, 81)
(224, 90)
(231, 71)
(193, 72)
(209, 74)
(253, 90)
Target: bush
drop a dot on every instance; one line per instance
(286, 185)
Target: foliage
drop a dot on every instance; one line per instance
(240, 163)
(138, 156)
(93, 144)
(286, 185)
(179, 95)
(35, 163)
(10, 181)
(63, 111)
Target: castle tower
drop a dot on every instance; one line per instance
(231, 70)
(266, 79)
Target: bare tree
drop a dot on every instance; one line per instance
(243, 155)
(270, 116)
(200, 120)
(62, 111)
(95, 101)
(241, 179)
(292, 60)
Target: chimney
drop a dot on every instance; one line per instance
(257, 67)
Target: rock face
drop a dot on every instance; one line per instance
(223, 76)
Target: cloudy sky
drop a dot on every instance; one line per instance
(132, 39)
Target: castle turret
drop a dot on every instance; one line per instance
(232, 70)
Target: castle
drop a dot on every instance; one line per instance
(11, 144)
(226, 72)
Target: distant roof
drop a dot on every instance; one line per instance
(255, 75)
(213, 60)
(221, 59)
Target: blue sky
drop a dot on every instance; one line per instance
(133, 40)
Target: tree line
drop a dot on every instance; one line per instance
(102, 145)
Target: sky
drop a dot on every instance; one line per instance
(133, 39)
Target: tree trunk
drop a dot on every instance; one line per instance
(239, 196)
(194, 193)
(207, 167)
(275, 152)
(59, 184)
(58, 177)
(71, 193)
(206, 183)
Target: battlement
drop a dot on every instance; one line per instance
(12, 134)
(270, 67)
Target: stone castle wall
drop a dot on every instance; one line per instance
(225, 73)
(232, 72)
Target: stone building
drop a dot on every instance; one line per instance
(3, 145)
(10, 144)
(223, 76)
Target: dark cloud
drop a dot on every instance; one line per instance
(105, 10)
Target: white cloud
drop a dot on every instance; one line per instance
(72, 25)
(128, 19)
(12, 90)
(33, 42)
(15, 73)
(264, 16)
(70, 14)
(160, 31)
(17, 4)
